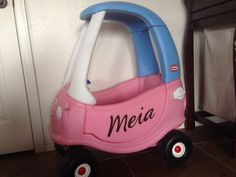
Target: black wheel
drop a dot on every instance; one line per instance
(176, 147)
(61, 149)
(78, 162)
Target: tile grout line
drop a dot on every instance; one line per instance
(204, 141)
(127, 164)
(123, 156)
(213, 157)
(110, 158)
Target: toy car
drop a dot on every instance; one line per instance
(128, 117)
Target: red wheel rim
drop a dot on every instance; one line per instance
(82, 171)
(177, 149)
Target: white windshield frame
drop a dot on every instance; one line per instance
(78, 70)
(75, 54)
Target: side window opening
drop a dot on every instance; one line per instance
(113, 63)
(113, 59)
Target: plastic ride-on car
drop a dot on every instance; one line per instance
(131, 116)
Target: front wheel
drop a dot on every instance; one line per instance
(78, 162)
(176, 147)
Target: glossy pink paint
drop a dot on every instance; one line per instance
(128, 117)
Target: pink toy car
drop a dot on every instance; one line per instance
(131, 116)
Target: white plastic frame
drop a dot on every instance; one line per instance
(81, 60)
(75, 54)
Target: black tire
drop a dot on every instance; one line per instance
(78, 162)
(176, 147)
(61, 149)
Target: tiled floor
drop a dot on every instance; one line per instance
(210, 158)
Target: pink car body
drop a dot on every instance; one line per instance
(129, 117)
(135, 114)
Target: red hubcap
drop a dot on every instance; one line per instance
(177, 149)
(82, 171)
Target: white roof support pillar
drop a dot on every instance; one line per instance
(78, 88)
(75, 54)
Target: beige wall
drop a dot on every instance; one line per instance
(54, 27)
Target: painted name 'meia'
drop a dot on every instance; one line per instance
(126, 122)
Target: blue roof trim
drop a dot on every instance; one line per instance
(139, 20)
(146, 15)
(167, 53)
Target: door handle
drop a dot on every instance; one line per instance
(3, 3)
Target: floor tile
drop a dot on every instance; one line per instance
(101, 156)
(50, 164)
(199, 165)
(202, 133)
(113, 168)
(25, 164)
(221, 151)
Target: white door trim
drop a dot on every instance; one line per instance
(29, 74)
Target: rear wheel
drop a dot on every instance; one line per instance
(78, 162)
(61, 149)
(176, 147)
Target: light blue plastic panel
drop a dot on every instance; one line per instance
(146, 61)
(167, 52)
(139, 20)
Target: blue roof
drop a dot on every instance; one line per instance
(139, 21)
(146, 15)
